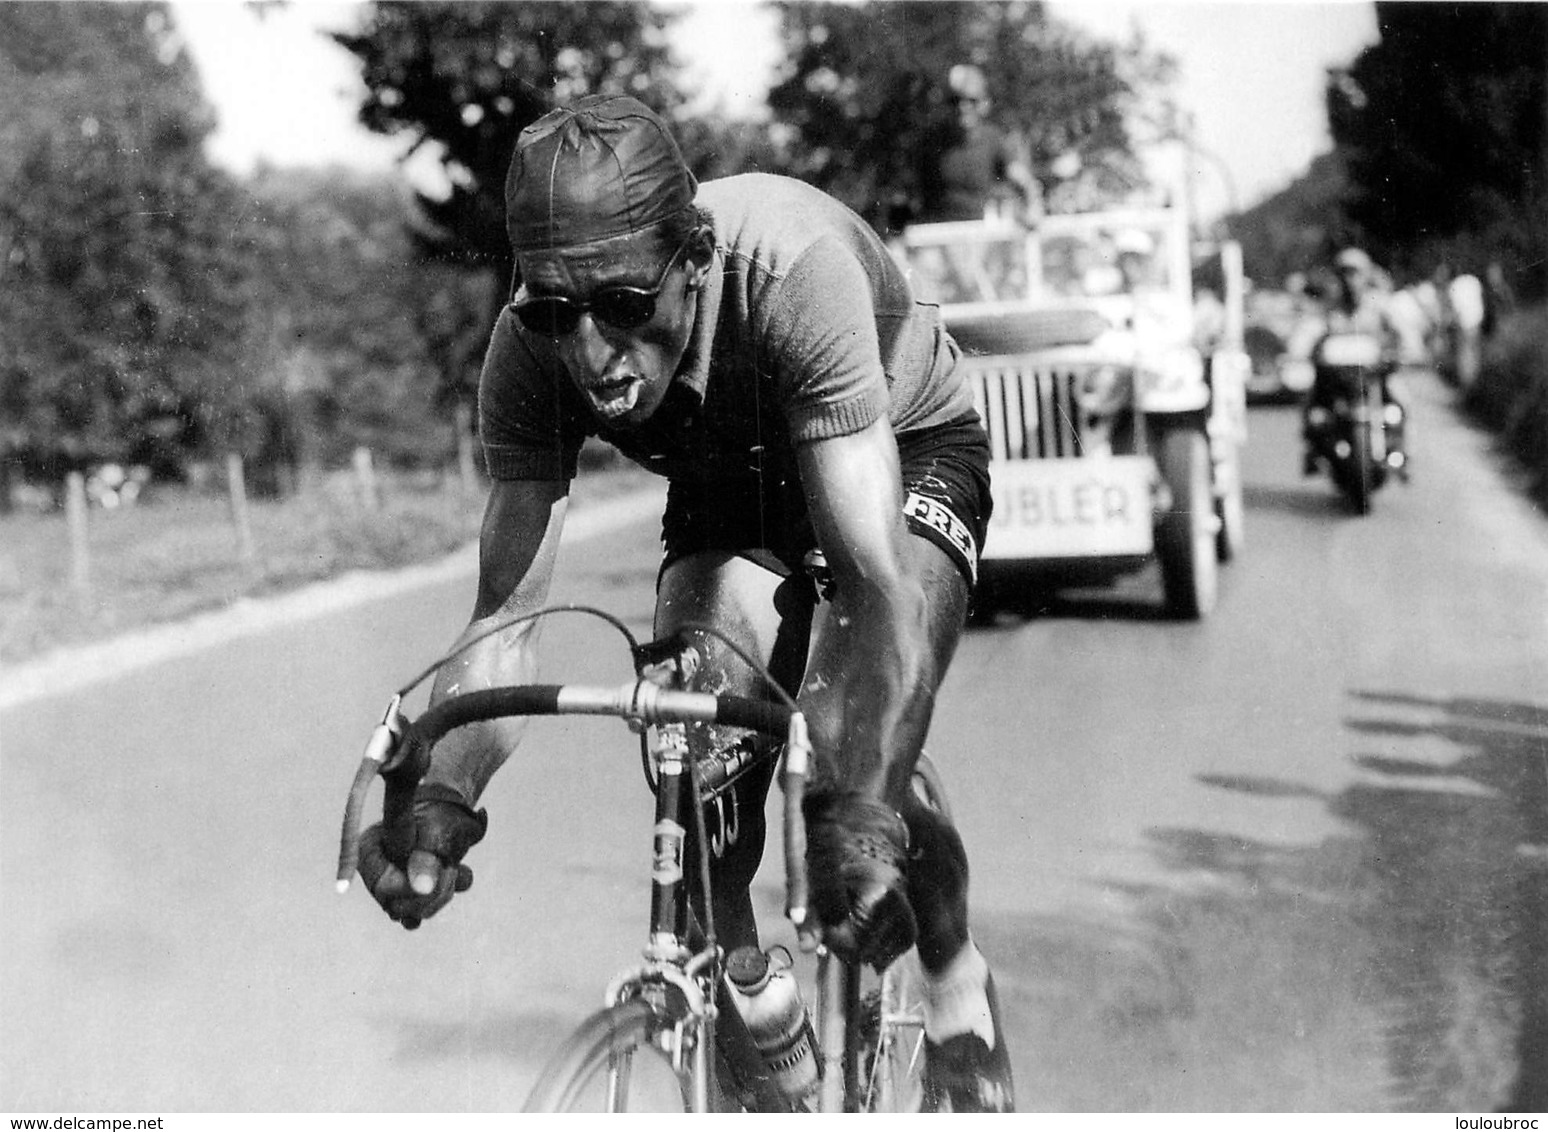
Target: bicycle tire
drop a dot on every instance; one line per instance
(892, 1012)
(892, 1028)
(608, 1041)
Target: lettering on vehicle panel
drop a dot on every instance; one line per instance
(1071, 508)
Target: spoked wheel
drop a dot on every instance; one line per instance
(892, 1012)
(892, 1040)
(613, 1063)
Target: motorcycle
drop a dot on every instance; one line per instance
(1354, 429)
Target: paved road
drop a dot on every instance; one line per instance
(1293, 858)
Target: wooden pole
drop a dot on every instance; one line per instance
(466, 469)
(237, 486)
(365, 479)
(80, 545)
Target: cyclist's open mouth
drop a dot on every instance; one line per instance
(615, 396)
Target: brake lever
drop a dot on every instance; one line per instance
(381, 749)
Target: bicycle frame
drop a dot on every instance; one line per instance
(677, 955)
(681, 975)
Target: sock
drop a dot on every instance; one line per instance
(955, 1001)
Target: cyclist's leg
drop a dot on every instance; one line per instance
(966, 1062)
(769, 616)
(938, 870)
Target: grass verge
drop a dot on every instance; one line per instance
(176, 554)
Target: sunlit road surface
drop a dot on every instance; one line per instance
(1294, 858)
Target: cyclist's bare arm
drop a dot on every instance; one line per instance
(518, 544)
(872, 660)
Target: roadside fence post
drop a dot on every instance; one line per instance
(465, 467)
(365, 479)
(80, 545)
(236, 485)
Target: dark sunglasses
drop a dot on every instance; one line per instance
(620, 306)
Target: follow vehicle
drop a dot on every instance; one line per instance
(1115, 405)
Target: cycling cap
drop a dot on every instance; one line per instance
(606, 166)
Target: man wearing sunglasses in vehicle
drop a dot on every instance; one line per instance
(752, 341)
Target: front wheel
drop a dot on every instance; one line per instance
(1231, 515)
(616, 1062)
(1359, 481)
(1185, 536)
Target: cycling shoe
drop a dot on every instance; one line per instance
(962, 1074)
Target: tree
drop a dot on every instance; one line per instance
(122, 282)
(864, 97)
(1443, 126)
(1298, 228)
(364, 339)
(467, 77)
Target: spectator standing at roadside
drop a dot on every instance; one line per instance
(1466, 296)
(1499, 298)
(981, 171)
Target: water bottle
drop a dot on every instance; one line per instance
(769, 1001)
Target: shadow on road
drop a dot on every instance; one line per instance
(1316, 500)
(1429, 920)
(522, 1038)
(1071, 605)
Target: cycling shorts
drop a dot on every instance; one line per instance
(946, 500)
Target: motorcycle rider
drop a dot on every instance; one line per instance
(1357, 303)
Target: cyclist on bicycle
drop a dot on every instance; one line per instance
(752, 341)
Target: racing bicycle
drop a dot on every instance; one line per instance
(668, 1035)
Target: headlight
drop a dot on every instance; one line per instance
(1296, 374)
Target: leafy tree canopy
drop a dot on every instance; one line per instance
(122, 287)
(468, 77)
(364, 342)
(1443, 126)
(865, 100)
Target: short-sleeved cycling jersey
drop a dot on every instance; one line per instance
(806, 329)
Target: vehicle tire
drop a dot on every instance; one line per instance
(1185, 536)
(1358, 476)
(1231, 512)
(611, 1064)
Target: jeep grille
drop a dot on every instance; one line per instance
(1029, 411)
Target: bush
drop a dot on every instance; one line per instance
(1511, 394)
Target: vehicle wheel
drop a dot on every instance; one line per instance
(1185, 537)
(611, 1064)
(1359, 478)
(1231, 513)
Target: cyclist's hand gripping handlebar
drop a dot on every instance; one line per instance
(411, 862)
(430, 819)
